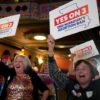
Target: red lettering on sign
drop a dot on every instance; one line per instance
(71, 15)
(84, 50)
(6, 25)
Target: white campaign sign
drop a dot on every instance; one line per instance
(85, 50)
(8, 25)
(73, 17)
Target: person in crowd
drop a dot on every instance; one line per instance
(6, 57)
(34, 62)
(44, 75)
(82, 87)
(21, 82)
(1, 83)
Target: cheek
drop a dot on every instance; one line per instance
(14, 64)
(87, 72)
(76, 74)
(89, 75)
(22, 66)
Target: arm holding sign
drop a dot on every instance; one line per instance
(58, 76)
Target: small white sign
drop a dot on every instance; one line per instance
(8, 25)
(85, 50)
(73, 17)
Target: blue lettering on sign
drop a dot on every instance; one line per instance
(71, 24)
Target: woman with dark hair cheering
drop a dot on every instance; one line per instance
(83, 87)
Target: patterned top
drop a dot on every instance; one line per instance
(59, 77)
(20, 89)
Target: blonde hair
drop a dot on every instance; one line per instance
(26, 62)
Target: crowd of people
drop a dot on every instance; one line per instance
(18, 81)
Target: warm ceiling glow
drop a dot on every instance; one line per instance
(21, 52)
(40, 60)
(69, 55)
(22, 49)
(16, 0)
(39, 37)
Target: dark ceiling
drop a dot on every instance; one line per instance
(62, 45)
(37, 1)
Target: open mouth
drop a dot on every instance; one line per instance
(17, 66)
(82, 76)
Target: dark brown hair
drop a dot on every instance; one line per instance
(92, 69)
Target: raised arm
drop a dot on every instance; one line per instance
(59, 77)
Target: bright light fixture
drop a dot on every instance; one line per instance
(69, 55)
(40, 60)
(39, 37)
(16, 0)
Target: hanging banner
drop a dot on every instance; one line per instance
(8, 25)
(73, 17)
(85, 50)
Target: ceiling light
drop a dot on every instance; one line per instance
(16, 0)
(40, 60)
(39, 37)
(69, 55)
(35, 35)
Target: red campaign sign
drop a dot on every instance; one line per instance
(6, 25)
(83, 51)
(71, 15)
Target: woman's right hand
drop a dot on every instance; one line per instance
(51, 44)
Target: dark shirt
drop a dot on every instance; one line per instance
(72, 87)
